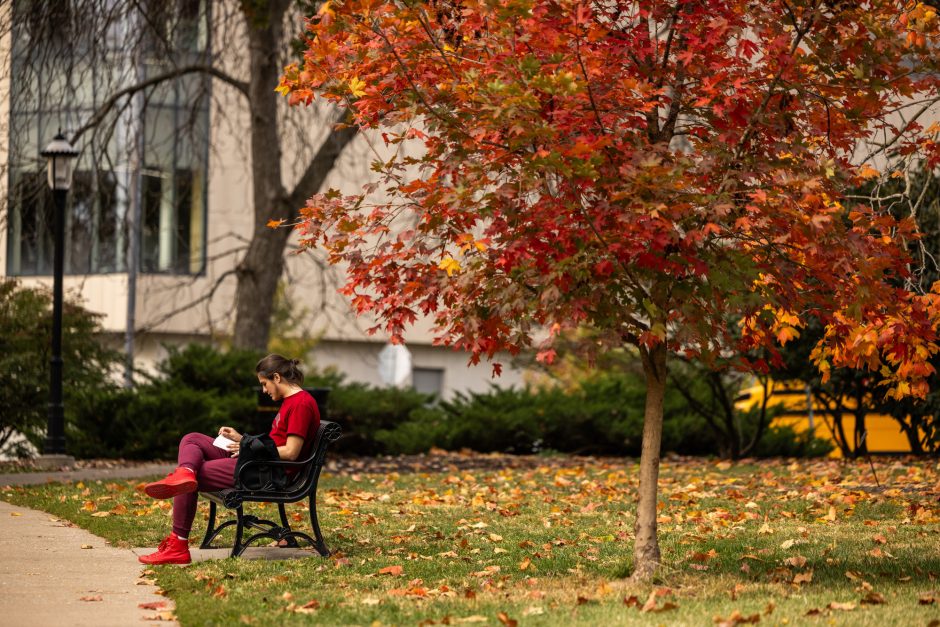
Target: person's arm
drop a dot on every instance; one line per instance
(291, 451)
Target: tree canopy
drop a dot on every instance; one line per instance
(647, 169)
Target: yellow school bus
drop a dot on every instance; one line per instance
(802, 412)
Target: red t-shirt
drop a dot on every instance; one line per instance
(298, 416)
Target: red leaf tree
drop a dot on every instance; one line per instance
(644, 169)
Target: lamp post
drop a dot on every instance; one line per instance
(59, 155)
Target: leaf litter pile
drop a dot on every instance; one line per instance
(452, 539)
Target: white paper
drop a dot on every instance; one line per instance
(222, 442)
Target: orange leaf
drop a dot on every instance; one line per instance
(504, 619)
(273, 224)
(391, 570)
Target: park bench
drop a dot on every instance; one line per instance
(301, 485)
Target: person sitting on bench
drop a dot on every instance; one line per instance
(204, 466)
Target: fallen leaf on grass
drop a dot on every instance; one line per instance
(801, 578)
(476, 618)
(394, 571)
(370, 601)
(534, 610)
(504, 619)
(308, 608)
(650, 605)
(698, 556)
(101, 514)
(873, 598)
(96, 597)
(797, 561)
(87, 546)
(927, 599)
(845, 607)
(736, 618)
(876, 552)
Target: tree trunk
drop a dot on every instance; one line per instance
(260, 270)
(646, 545)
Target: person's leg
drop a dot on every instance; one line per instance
(216, 474)
(195, 449)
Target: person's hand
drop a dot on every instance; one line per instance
(230, 433)
(233, 435)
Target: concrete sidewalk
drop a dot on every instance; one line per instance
(52, 573)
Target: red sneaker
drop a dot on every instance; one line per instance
(180, 481)
(171, 551)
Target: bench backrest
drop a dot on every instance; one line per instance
(327, 432)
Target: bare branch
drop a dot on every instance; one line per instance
(116, 97)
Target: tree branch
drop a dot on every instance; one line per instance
(112, 101)
(321, 164)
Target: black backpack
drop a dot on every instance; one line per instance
(258, 448)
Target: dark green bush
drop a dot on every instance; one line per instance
(148, 422)
(604, 416)
(364, 411)
(199, 388)
(202, 367)
(25, 348)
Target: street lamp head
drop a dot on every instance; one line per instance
(59, 154)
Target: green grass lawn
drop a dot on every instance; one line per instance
(779, 542)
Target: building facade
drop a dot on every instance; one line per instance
(160, 209)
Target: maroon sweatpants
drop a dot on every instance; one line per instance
(215, 470)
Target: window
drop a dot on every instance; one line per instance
(68, 58)
(428, 380)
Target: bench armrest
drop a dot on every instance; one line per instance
(326, 433)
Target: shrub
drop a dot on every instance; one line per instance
(25, 349)
(364, 411)
(197, 389)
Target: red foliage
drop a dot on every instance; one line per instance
(645, 168)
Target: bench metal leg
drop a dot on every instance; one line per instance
(211, 531)
(238, 548)
(319, 545)
(290, 542)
